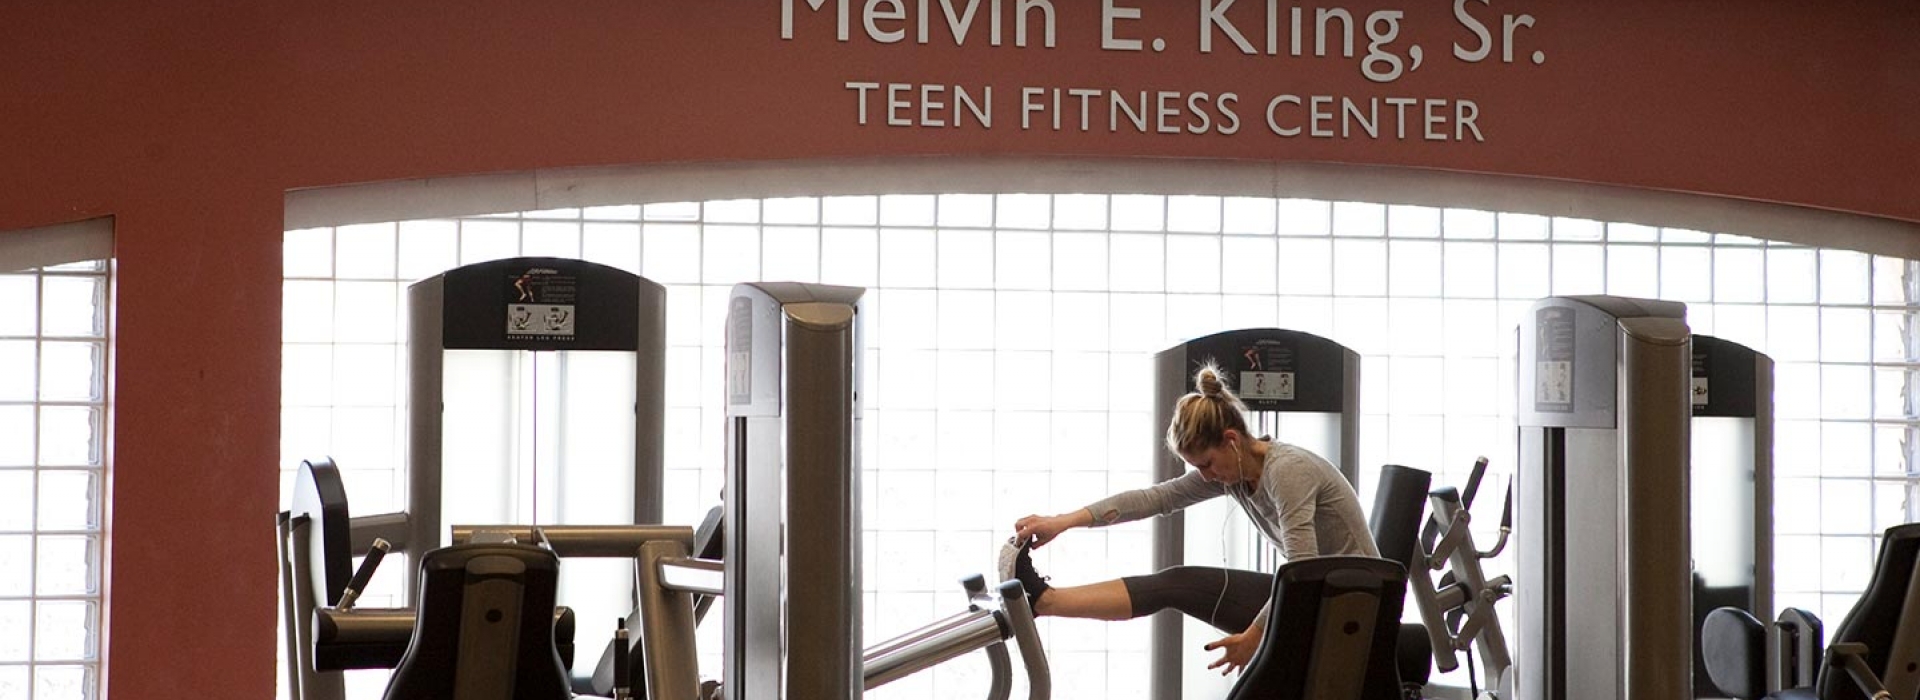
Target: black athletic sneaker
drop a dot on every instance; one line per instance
(1016, 563)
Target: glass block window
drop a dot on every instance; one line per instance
(1009, 346)
(53, 379)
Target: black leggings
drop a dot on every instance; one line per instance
(1228, 599)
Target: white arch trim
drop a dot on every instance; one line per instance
(679, 182)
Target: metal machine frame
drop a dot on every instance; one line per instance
(1601, 490)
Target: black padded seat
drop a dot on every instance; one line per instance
(485, 628)
(1334, 625)
(1876, 618)
(1734, 648)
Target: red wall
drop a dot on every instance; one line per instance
(188, 121)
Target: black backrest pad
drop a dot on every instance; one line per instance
(1734, 647)
(1398, 507)
(1332, 633)
(320, 496)
(485, 625)
(1876, 618)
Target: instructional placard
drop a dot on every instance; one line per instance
(540, 319)
(1274, 386)
(1553, 368)
(542, 304)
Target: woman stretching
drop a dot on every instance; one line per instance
(1296, 499)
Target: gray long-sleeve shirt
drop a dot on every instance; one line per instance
(1301, 503)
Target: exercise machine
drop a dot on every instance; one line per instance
(1457, 610)
(1299, 388)
(1747, 660)
(790, 583)
(1603, 565)
(1875, 654)
(327, 638)
(1731, 511)
(535, 395)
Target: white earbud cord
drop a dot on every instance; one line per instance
(1239, 470)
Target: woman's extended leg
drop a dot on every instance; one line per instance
(1228, 599)
(1106, 600)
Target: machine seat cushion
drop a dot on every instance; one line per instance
(1735, 647)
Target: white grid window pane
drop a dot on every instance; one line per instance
(1079, 261)
(1247, 265)
(907, 258)
(1579, 269)
(1138, 213)
(1845, 277)
(1022, 260)
(1739, 275)
(1363, 219)
(1525, 270)
(53, 397)
(1248, 215)
(427, 248)
(1306, 266)
(670, 253)
(1361, 268)
(1633, 271)
(615, 245)
(909, 210)
(1686, 274)
(1523, 227)
(1415, 268)
(1193, 264)
(792, 253)
(1192, 214)
(552, 239)
(365, 251)
(1468, 223)
(308, 253)
(966, 259)
(849, 256)
(966, 210)
(1305, 217)
(1792, 276)
(1025, 211)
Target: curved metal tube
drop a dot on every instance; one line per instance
(1002, 672)
(1013, 599)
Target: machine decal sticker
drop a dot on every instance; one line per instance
(1277, 386)
(1698, 392)
(1553, 371)
(1267, 371)
(542, 304)
(740, 357)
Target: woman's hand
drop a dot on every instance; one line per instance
(1238, 650)
(1042, 528)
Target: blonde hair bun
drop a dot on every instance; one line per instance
(1200, 419)
(1209, 383)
